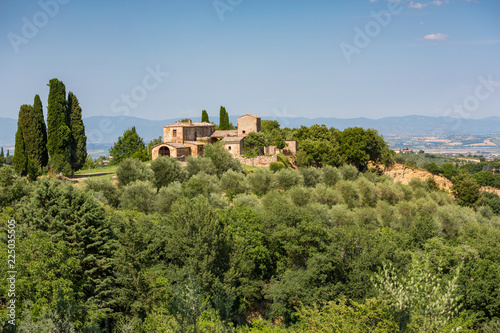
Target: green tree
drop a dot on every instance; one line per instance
(221, 158)
(255, 143)
(2, 158)
(58, 128)
(138, 195)
(131, 170)
(421, 297)
(74, 218)
(21, 159)
(78, 152)
(268, 126)
(466, 189)
(167, 170)
(224, 119)
(36, 135)
(204, 117)
(359, 146)
(126, 146)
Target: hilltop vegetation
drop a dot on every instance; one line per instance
(209, 248)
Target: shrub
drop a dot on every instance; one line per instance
(248, 200)
(286, 178)
(167, 170)
(312, 176)
(331, 175)
(139, 195)
(234, 183)
(260, 181)
(365, 217)
(369, 192)
(299, 195)
(327, 195)
(106, 188)
(195, 165)
(12, 187)
(167, 196)
(349, 192)
(131, 170)
(202, 184)
(276, 166)
(341, 215)
(282, 158)
(349, 172)
(390, 192)
(221, 158)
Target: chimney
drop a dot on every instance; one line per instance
(190, 122)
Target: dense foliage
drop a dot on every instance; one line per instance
(208, 248)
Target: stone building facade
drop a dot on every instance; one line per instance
(183, 139)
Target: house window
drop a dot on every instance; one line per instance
(243, 132)
(228, 147)
(174, 133)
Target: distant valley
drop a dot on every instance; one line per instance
(400, 132)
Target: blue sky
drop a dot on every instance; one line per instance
(271, 58)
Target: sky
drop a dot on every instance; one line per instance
(273, 58)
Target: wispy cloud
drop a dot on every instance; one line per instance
(417, 5)
(438, 36)
(437, 2)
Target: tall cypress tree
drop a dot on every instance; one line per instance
(78, 138)
(204, 117)
(58, 129)
(1, 152)
(20, 159)
(223, 119)
(35, 134)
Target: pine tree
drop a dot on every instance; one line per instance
(78, 138)
(223, 119)
(58, 130)
(204, 117)
(20, 160)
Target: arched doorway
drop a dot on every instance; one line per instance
(164, 151)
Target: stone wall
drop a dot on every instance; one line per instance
(258, 161)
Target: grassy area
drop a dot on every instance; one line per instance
(105, 169)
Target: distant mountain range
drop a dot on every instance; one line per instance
(106, 130)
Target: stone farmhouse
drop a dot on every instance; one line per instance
(182, 139)
(188, 138)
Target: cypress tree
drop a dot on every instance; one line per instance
(20, 159)
(8, 154)
(1, 152)
(78, 138)
(35, 135)
(204, 117)
(58, 130)
(223, 119)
